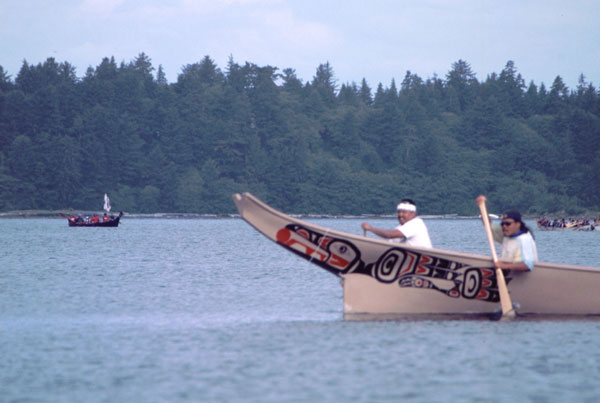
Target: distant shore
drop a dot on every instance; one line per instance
(56, 214)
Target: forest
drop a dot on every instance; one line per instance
(314, 147)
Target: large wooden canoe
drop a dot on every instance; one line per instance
(380, 277)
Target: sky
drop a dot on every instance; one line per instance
(378, 40)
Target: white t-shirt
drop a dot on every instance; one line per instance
(415, 232)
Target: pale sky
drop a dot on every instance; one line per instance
(378, 40)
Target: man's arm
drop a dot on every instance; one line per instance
(384, 233)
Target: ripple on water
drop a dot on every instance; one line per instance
(209, 310)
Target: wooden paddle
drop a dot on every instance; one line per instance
(507, 308)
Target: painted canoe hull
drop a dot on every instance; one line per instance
(380, 277)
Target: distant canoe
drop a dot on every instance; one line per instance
(380, 277)
(570, 226)
(113, 222)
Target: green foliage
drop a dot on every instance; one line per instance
(314, 147)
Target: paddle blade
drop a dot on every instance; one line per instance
(505, 302)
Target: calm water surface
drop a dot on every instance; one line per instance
(210, 310)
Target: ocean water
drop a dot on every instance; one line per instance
(208, 310)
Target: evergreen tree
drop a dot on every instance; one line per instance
(462, 81)
(161, 77)
(557, 98)
(365, 93)
(5, 82)
(325, 84)
(511, 87)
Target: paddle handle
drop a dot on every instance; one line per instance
(505, 301)
(486, 224)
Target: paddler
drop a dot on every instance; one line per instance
(411, 231)
(519, 252)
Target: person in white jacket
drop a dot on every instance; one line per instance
(519, 251)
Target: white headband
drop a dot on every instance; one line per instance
(406, 207)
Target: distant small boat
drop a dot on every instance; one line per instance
(78, 221)
(96, 221)
(581, 225)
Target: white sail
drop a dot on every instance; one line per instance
(106, 203)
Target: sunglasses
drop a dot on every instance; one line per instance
(507, 223)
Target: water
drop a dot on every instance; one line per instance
(210, 310)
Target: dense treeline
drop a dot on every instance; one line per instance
(304, 147)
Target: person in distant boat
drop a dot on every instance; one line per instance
(411, 231)
(95, 219)
(105, 218)
(519, 252)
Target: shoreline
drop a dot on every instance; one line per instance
(52, 214)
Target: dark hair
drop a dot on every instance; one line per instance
(515, 215)
(409, 201)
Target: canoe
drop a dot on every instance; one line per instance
(380, 277)
(114, 222)
(111, 222)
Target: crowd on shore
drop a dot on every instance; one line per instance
(546, 223)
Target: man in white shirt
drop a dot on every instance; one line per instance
(411, 231)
